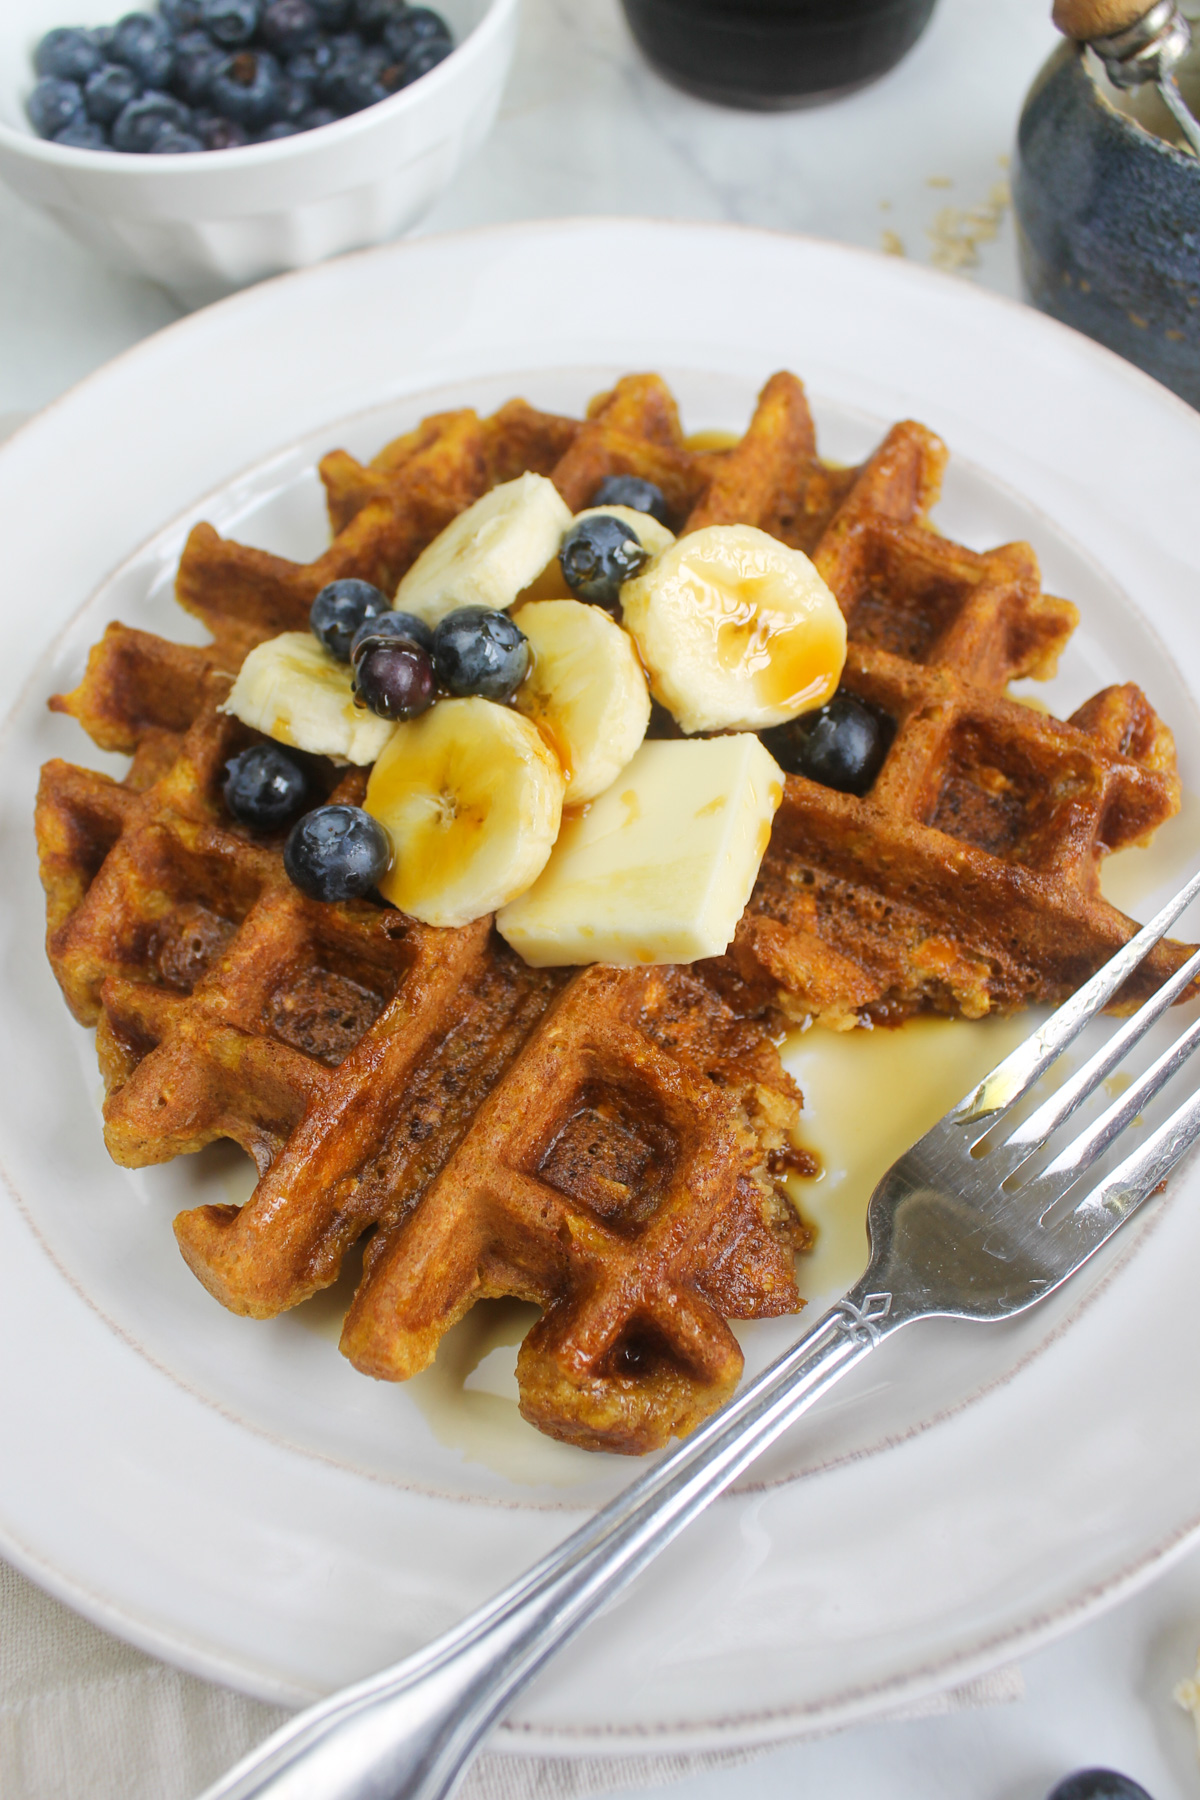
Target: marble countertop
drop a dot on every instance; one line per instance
(915, 166)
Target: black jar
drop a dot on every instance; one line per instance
(774, 53)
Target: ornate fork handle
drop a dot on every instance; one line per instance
(408, 1733)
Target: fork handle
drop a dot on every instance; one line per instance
(408, 1733)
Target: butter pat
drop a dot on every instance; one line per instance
(660, 867)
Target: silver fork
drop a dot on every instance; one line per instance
(954, 1232)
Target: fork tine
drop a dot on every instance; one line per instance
(1103, 1208)
(1078, 1156)
(1054, 1111)
(1019, 1070)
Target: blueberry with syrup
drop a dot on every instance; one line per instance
(337, 853)
(477, 651)
(841, 744)
(598, 555)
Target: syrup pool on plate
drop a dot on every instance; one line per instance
(868, 1096)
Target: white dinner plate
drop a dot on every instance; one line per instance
(230, 1494)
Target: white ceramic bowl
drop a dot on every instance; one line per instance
(205, 224)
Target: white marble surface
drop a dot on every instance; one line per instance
(913, 163)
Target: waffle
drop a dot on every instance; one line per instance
(605, 1143)
(967, 880)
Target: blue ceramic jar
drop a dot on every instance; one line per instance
(1108, 224)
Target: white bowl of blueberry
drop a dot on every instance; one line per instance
(210, 143)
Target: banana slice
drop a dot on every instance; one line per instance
(585, 691)
(291, 688)
(471, 797)
(737, 630)
(490, 552)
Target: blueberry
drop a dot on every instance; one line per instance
(413, 28)
(628, 490)
(842, 744)
(426, 58)
(102, 36)
(1098, 1784)
(394, 677)
(333, 14)
(352, 80)
(172, 142)
(69, 54)
(316, 117)
(308, 65)
(181, 16)
(340, 609)
(370, 16)
(289, 25)
(478, 651)
(265, 788)
(216, 133)
(83, 134)
(109, 92)
(53, 105)
(390, 625)
(337, 853)
(139, 123)
(145, 45)
(231, 22)
(248, 87)
(197, 60)
(597, 555)
(281, 128)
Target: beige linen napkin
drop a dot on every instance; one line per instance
(82, 1714)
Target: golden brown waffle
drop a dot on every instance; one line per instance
(967, 879)
(602, 1143)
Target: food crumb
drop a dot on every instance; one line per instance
(891, 243)
(957, 232)
(939, 181)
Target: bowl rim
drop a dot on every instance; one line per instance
(67, 156)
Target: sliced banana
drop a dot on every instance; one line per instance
(490, 552)
(737, 630)
(291, 688)
(645, 527)
(585, 691)
(471, 797)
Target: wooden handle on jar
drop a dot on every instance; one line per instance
(1087, 19)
